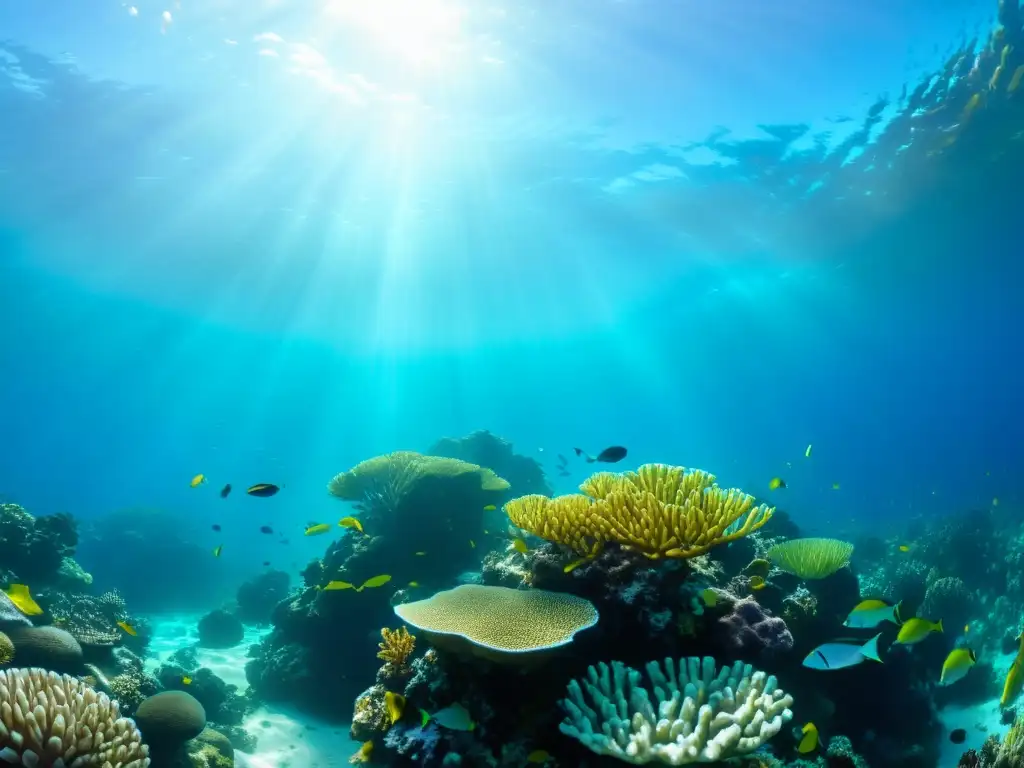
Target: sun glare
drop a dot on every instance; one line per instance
(420, 30)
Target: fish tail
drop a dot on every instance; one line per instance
(870, 649)
(578, 451)
(896, 612)
(938, 625)
(424, 718)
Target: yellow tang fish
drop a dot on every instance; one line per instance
(538, 756)
(904, 548)
(917, 629)
(395, 703)
(334, 585)
(776, 483)
(197, 481)
(186, 680)
(1014, 678)
(348, 522)
(375, 581)
(757, 582)
(22, 599)
(710, 598)
(570, 567)
(363, 754)
(809, 740)
(490, 508)
(957, 665)
(316, 530)
(218, 550)
(520, 546)
(127, 628)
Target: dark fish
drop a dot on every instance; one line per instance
(608, 455)
(263, 490)
(266, 562)
(266, 529)
(225, 491)
(215, 527)
(959, 736)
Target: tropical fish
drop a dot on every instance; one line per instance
(957, 665)
(316, 529)
(967, 628)
(958, 736)
(904, 547)
(807, 454)
(373, 581)
(519, 545)
(809, 740)
(197, 481)
(186, 680)
(758, 582)
(490, 508)
(839, 655)
(917, 629)
(127, 628)
(570, 567)
(266, 562)
(835, 486)
(538, 756)
(266, 529)
(414, 584)
(363, 754)
(263, 490)
(419, 554)
(868, 614)
(395, 703)
(225, 491)
(216, 527)
(217, 550)
(758, 567)
(22, 599)
(776, 483)
(351, 522)
(455, 717)
(710, 598)
(1014, 677)
(608, 455)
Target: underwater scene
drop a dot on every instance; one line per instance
(511, 383)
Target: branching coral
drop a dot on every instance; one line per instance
(659, 510)
(51, 719)
(396, 647)
(698, 717)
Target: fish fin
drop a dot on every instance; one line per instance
(578, 451)
(939, 625)
(424, 718)
(870, 649)
(896, 612)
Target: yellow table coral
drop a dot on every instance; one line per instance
(659, 510)
(499, 623)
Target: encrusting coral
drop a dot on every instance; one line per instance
(699, 717)
(811, 558)
(659, 510)
(51, 720)
(499, 623)
(396, 646)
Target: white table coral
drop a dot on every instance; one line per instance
(699, 717)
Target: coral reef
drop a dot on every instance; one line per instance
(39, 550)
(257, 597)
(169, 719)
(524, 475)
(50, 716)
(750, 630)
(46, 647)
(811, 558)
(223, 705)
(220, 629)
(701, 714)
(396, 647)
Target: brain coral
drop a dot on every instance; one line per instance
(6, 649)
(51, 720)
(47, 647)
(170, 718)
(497, 622)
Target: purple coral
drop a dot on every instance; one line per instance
(417, 743)
(751, 629)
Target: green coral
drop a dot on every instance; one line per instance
(811, 558)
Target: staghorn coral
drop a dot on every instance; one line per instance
(396, 647)
(50, 719)
(499, 623)
(659, 510)
(811, 558)
(699, 716)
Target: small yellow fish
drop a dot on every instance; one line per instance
(336, 585)
(917, 629)
(776, 483)
(957, 665)
(807, 453)
(570, 567)
(520, 546)
(472, 544)
(904, 548)
(486, 532)
(538, 756)
(490, 508)
(758, 567)
(127, 628)
(809, 740)
(1014, 678)
(316, 530)
(967, 628)
(186, 680)
(375, 581)
(395, 703)
(348, 522)
(419, 554)
(710, 598)
(835, 486)
(414, 583)
(217, 550)
(757, 582)
(197, 481)
(22, 599)
(995, 502)
(363, 754)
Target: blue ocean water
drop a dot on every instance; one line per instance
(265, 241)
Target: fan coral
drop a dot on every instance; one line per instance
(51, 719)
(497, 622)
(811, 558)
(700, 717)
(659, 510)
(397, 646)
